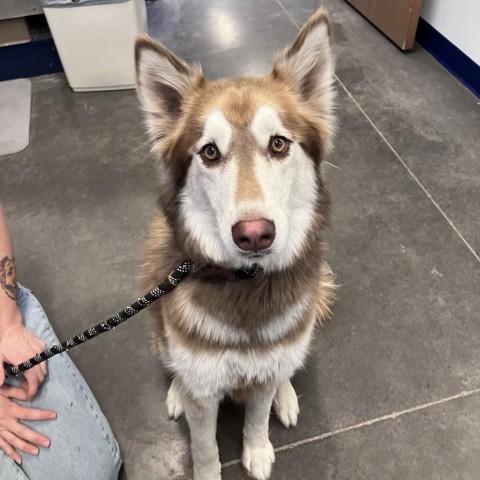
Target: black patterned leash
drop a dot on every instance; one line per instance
(166, 286)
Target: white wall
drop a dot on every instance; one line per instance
(458, 21)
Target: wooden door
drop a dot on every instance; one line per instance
(397, 19)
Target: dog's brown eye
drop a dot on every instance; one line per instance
(278, 145)
(210, 153)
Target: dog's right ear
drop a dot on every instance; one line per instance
(163, 81)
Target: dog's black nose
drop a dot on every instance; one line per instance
(254, 235)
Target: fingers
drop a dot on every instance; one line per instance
(24, 386)
(21, 345)
(19, 444)
(18, 393)
(10, 451)
(42, 346)
(29, 435)
(34, 377)
(14, 435)
(44, 368)
(2, 373)
(25, 413)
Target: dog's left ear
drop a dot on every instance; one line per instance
(308, 64)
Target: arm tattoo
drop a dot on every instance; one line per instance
(8, 277)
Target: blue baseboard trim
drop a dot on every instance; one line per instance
(29, 60)
(453, 59)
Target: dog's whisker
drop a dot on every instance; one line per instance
(332, 165)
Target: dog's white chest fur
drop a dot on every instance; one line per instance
(219, 373)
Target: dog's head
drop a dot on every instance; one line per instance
(240, 158)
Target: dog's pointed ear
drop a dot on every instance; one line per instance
(308, 64)
(163, 81)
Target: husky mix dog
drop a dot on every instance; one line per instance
(240, 185)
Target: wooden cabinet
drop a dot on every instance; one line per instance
(397, 19)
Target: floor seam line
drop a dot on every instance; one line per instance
(367, 423)
(397, 155)
(410, 172)
(288, 14)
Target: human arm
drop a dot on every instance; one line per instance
(17, 344)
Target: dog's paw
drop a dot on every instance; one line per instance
(174, 402)
(285, 405)
(258, 461)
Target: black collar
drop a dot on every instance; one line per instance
(216, 274)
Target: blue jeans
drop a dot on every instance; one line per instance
(82, 444)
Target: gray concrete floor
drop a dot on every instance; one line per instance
(392, 387)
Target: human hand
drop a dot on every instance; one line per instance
(18, 344)
(13, 434)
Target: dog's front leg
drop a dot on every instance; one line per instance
(258, 454)
(202, 420)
